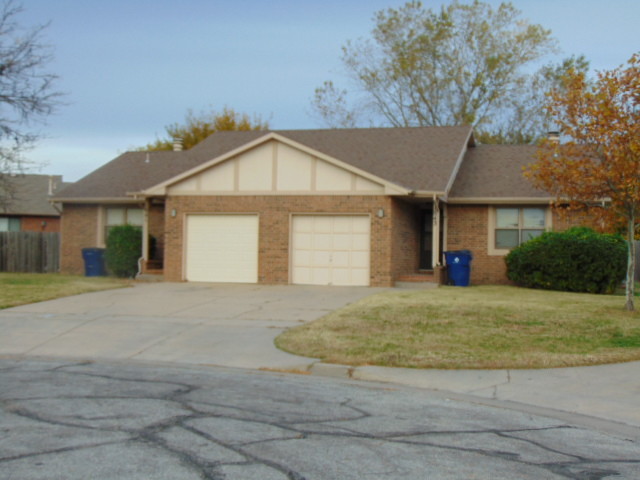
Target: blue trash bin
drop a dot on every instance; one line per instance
(93, 262)
(459, 267)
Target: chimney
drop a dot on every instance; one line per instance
(177, 144)
(52, 185)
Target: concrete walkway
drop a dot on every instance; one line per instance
(234, 326)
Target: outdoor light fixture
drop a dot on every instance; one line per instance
(380, 213)
(173, 212)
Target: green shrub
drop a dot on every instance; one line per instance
(124, 248)
(577, 260)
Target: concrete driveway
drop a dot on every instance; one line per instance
(204, 324)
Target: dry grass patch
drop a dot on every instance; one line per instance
(476, 327)
(23, 288)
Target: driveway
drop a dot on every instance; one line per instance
(204, 324)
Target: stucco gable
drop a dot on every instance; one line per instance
(275, 165)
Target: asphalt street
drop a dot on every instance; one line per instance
(65, 419)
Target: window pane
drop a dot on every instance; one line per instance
(507, 217)
(4, 224)
(134, 216)
(529, 234)
(533, 218)
(115, 216)
(14, 224)
(506, 238)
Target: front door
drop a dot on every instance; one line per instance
(426, 238)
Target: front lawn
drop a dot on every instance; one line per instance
(22, 288)
(475, 327)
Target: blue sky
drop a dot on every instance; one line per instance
(131, 67)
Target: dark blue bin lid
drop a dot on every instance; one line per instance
(460, 253)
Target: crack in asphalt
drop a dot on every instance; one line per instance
(243, 431)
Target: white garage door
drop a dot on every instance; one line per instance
(222, 248)
(330, 250)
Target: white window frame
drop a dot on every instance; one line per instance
(492, 250)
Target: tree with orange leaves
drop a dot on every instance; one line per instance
(596, 168)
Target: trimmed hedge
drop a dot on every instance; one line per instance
(124, 248)
(576, 260)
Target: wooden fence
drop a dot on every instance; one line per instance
(29, 252)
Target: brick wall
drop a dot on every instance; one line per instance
(79, 227)
(565, 220)
(40, 224)
(468, 229)
(275, 212)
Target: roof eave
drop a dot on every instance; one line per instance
(469, 141)
(427, 194)
(500, 200)
(95, 200)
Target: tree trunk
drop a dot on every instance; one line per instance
(631, 263)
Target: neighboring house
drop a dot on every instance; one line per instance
(324, 207)
(26, 206)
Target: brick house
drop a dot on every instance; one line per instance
(327, 207)
(26, 206)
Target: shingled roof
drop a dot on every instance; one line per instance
(495, 172)
(31, 194)
(421, 159)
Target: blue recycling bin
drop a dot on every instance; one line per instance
(459, 267)
(93, 262)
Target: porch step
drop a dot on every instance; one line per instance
(149, 276)
(417, 280)
(417, 277)
(154, 271)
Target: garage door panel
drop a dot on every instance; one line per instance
(305, 224)
(321, 258)
(302, 275)
(342, 242)
(320, 276)
(305, 240)
(335, 251)
(342, 224)
(361, 225)
(360, 276)
(302, 257)
(322, 224)
(340, 259)
(341, 276)
(222, 248)
(360, 260)
(360, 242)
(322, 241)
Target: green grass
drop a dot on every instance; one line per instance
(23, 288)
(476, 327)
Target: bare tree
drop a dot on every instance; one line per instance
(27, 95)
(466, 64)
